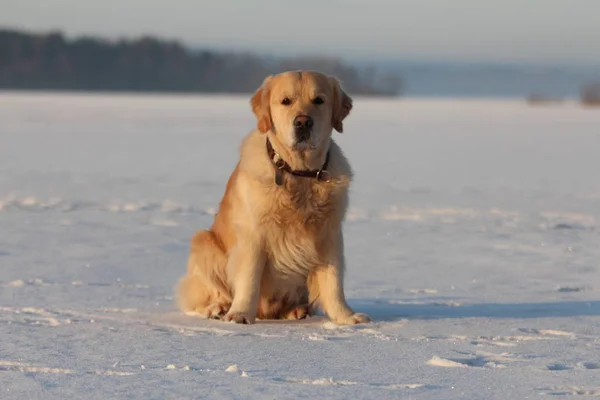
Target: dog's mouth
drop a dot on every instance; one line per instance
(305, 138)
(303, 134)
(307, 144)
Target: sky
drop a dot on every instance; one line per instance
(531, 31)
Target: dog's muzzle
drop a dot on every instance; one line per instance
(302, 127)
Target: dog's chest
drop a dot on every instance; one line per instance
(303, 203)
(300, 222)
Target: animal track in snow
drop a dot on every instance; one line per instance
(320, 381)
(558, 367)
(506, 341)
(498, 341)
(18, 283)
(31, 203)
(328, 381)
(548, 332)
(581, 365)
(477, 360)
(30, 282)
(450, 338)
(447, 363)
(571, 391)
(33, 316)
(341, 331)
(31, 368)
(591, 365)
(332, 382)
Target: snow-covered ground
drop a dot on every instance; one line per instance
(473, 240)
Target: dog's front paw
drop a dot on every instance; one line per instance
(356, 318)
(238, 317)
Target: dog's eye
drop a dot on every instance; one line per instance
(286, 101)
(318, 100)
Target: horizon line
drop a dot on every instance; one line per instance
(277, 52)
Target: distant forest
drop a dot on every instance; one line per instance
(53, 62)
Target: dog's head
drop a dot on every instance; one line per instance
(301, 108)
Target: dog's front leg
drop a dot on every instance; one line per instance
(325, 285)
(244, 269)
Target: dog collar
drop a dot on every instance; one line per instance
(321, 174)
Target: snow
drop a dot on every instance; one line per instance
(473, 240)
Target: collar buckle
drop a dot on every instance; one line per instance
(324, 176)
(278, 161)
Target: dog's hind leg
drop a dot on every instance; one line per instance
(204, 290)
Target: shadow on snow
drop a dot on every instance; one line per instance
(383, 310)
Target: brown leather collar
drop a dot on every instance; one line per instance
(321, 174)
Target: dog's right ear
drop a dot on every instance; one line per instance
(260, 105)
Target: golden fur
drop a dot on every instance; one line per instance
(275, 251)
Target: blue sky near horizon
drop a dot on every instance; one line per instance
(543, 32)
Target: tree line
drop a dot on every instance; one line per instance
(51, 61)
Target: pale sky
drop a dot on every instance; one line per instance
(536, 31)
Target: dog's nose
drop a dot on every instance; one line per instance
(302, 122)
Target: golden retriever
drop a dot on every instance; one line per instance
(276, 247)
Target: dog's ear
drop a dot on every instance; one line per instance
(342, 105)
(260, 105)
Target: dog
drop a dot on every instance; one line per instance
(276, 248)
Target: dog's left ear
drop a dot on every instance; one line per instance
(342, 105)
(260, 105)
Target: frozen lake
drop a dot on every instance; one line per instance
(473, 240)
